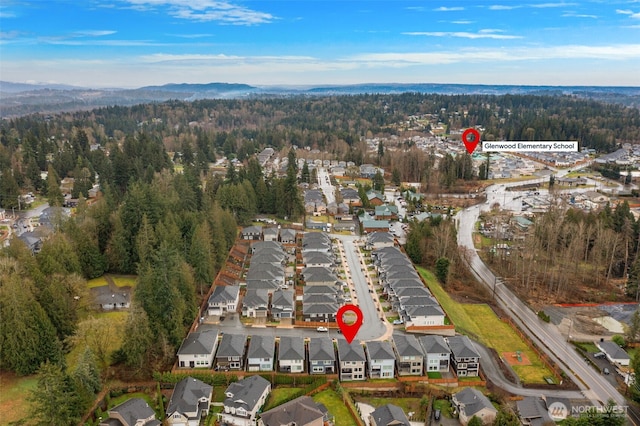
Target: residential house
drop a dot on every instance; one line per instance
(197, 349)
(302, 411)
(230, 355)
(32, 241)
(322, 357)
(464, 358)
(533, 411)
(132, 412)
(614, 353)
(271, 233)
(437, 354)
(381, 360)
(350, 197)
(386, 212)
(253, 233)
(224, 299)
(107, 298)
(282, 304)
(255, 303)
(318, 276)
(317, 260)
(189, 402)
(388, 415)
(378, 240)
(352, 360)
(375, 198)
(470, 403)
(287, 236)
(369, 226)
(244, 400)
(291, 354)
(425, 315)
(409, 355)
(261, 353)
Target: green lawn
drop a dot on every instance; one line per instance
(336, 407)
(434, 375)
(125, 281)
(280, 395)
(96, 282)
(479, 321)
(13, 397)
(444, 406)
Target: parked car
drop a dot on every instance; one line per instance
(599, 355)
(322, 329)
(605, 370)
(398, 322)
(436, 414)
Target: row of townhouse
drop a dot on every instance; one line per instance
(414, 303)
(405, 355)
(268, 233)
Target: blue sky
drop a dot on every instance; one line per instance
(132, 43)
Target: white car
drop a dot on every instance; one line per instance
(398, 322)
(322, 329)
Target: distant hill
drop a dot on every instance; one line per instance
(194, 88)
(18, 99)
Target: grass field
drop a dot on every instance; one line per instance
(479, 321)
(336, 407)
(13, 397)
(278, 396)
(120, 281)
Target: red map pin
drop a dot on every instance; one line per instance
(349, 330)
(471, 138)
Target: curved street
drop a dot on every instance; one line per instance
(545, 335)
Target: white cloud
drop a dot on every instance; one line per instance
(624, 12)
(206, 11)
(551, 5)
(636, 15)
(463, 22)
(578, 15)
(463, 34)
(93, 33)
(190, 35)
(503, 7)
(448, 9)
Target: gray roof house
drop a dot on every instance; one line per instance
(106, 298)
(291, 354)
(255, 303)
(437, 354)
(189, 402)
(251, 233)
(381, 360)
(271, 233)
(197, 349)
(224, 299)
(470, 402)
(464, 358)
(244, 399)
(282, 304)
(322, 357)
(614, 353)
(230, 355)
(409, 355)
(302, 411)
(132, 412)
(287, 236)
(261, 353)
(533, 411)
(352, 361)
(388, 415)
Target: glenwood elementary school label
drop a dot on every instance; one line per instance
(530, 146)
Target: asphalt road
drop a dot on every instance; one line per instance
(372, 327)
(547, 336)
(324, 181)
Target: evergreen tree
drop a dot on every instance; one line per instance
(138, 339)
(54, 400)
(9, 190)
(442, 269)
(305, 176)
(202, 257)
(54, 194)
(395, 177)
(86, 378)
